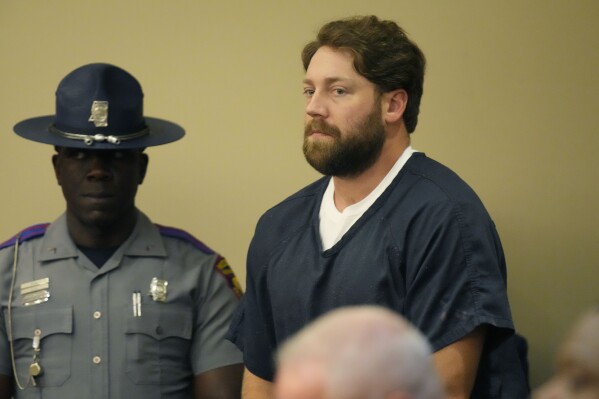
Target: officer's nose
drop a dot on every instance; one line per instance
(98, 168)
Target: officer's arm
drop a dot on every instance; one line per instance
(457, 364)
(255, 387)
(219, 383)
(5, 387)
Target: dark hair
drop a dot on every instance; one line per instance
(383, 54)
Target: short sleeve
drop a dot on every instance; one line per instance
(455, 273)
(252, 329)
(5, 368)
(215, 309)
(5, 274)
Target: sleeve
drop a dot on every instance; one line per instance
(5, 363)
(455, 272)
(5, 280)
(215, 308)
(252, 329)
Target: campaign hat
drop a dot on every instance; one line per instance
(99, 106)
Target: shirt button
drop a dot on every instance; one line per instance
(97, 314)
(159, 330)
(97, 360)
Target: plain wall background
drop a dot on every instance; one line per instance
(511, 103)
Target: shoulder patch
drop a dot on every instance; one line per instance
(27, 234)
(185, 236)
(222, 266)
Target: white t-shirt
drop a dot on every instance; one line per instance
(334, 224)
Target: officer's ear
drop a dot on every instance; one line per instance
(55, 161)
(144, 160)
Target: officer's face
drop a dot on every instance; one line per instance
(99, 186)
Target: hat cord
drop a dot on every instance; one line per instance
(100, 138)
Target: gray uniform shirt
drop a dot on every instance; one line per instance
(94, 342)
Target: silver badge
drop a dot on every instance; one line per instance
(158, 289)
(35, 292)
(99, 113)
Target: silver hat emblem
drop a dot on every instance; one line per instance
(99, 113)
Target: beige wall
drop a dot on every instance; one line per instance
(511, 103)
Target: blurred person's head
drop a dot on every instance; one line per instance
(362, 352)
(577, 363)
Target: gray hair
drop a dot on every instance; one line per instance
(366, 352)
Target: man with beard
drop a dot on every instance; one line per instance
(385, 226)
(102, 303)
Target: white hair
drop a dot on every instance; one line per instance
(365, 352)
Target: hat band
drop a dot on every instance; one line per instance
(90, 139)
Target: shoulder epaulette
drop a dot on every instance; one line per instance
(221, 265)
(183, 235)
(27, 234)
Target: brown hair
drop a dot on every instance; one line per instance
(383, 54)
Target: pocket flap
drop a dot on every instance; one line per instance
(160, 322)
(25, 320)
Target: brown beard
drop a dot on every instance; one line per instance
(346, 155)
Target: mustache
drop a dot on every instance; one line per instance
(322, 127)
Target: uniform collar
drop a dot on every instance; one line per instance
(57, 243)
(145, 240)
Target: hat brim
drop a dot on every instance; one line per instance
(160, 132)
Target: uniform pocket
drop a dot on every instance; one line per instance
(158, 344)
(55, 327)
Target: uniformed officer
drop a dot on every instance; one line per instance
(102, 303)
